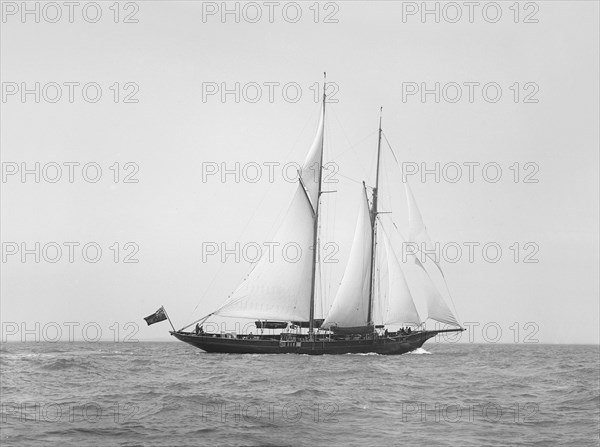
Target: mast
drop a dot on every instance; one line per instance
(374, 225)
(311, 322)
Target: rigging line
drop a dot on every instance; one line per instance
(203, 319)
(349, 142)
(320, 269)
(322, 223)
(320, 281)
(264, 196)
(353, 146)
(386, 193)
(333, 235)
(331, 209)
(324, 227)
(390, 147)
(349, 178)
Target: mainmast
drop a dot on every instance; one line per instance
(311, 322)
(374, 225)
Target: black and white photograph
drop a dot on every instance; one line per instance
(300, 223)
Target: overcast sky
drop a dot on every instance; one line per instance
(177, 52)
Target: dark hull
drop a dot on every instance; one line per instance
(273, 345)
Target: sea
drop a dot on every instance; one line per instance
(171, 394)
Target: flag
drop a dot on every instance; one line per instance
(157, 316)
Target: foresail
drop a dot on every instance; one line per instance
(311, 169)
(350, 306)
(279, 286)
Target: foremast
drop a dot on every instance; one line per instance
(374, 227)
(311, 321)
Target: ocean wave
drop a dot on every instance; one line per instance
(62, 363)
(304, 392)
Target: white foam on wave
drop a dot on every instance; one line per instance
(419, 351)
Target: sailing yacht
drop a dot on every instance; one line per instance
(374, 293)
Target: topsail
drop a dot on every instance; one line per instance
(311, 169)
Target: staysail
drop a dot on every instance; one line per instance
(437, 309)
(350, 306)
(398, 304)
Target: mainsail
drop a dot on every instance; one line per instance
(350, 306)
(280, 287)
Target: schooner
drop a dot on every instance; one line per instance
(373, 294)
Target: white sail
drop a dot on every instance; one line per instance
(311, 169)
(400, 307)
(350, 306)
(417, 232)
(423, 286)
(279, 287)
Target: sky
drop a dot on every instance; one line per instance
(532, 113)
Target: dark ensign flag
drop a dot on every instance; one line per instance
(157, 316)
